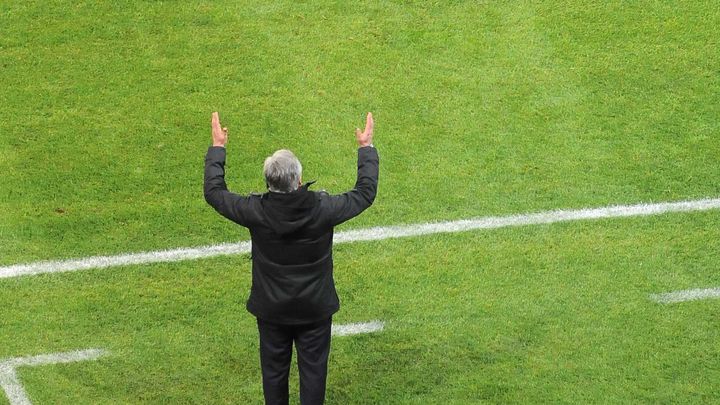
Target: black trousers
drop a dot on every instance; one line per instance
(312, 342)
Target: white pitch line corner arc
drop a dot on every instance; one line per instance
(10, 382)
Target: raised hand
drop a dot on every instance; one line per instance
(364, 138)
(219, 134)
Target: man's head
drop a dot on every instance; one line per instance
(283, 171)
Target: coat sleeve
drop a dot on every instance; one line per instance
(230, 205)
(350, 204)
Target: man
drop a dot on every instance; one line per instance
(293, 292)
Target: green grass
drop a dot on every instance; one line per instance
(482, 108)
(532, 314)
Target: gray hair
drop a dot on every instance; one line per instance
(282, 171)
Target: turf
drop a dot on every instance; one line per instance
(482, 108)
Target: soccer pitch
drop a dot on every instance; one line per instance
(483, 110)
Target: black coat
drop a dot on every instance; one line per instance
(292, 265)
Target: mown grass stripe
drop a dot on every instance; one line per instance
(367, 234)
(686, 295)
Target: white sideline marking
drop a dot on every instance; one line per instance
(686, 295)
(357, 328)
(99, 262)
(11, 383)
(368, 234)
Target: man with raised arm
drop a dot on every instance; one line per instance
(293, 292)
